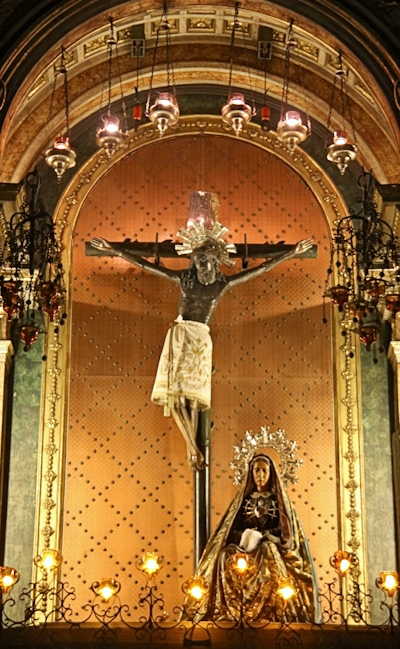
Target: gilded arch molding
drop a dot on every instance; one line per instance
(55, 409)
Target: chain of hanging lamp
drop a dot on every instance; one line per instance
(341, 151)
(290, 130)
(164, 113)
(236, 113)
(61, 155)
(110, 136)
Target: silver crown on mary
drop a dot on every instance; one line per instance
(203, 229)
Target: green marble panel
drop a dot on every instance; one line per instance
(379, 492)
(25, 392)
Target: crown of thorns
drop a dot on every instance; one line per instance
(198, 236)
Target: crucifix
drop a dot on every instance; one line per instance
(183, 380)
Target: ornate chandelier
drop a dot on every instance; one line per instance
(32, 280)
(365, 259)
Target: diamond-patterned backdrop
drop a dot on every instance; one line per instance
(128, 488)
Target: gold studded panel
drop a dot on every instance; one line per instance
(128, 489)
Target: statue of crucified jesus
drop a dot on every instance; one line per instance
(183, 380)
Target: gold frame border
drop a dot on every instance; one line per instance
(51, 475)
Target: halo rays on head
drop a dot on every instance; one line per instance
(266, 438)
(197, 237)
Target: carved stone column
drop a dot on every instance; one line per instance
(6, 351)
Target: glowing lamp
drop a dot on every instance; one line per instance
(293, 119)
(48, 560)
(165, 112)
(285, 588)
(150, 563)
(61, 156)
(341, 152)
(196, 587)
(340, 137)
(388, 581)
(236, 113)
(241, 565)
(109, 136)
(8, 578)
(291, 131)
(106, 588)
(342, 561)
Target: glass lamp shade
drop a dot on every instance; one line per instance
(291, 131)
(164, 113)
(388, 581)
(150, 563)
(49, 560)
(109, 136)
(196, 587)
(241, 565)
(339, 295)
(106, 588)
(342, 561)
(265, 117)
(60, 157)
(29, 334)
(236, 113)
(341, 152)
(285, 588)
(368, 336)
(137, 116)
(8, 578)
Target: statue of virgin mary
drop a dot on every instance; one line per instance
(262, 523)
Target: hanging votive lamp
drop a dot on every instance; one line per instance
(388, 581)
(109, 136)
(8, 578)
(61, 156)
(164, 113)
(285, 588)
(236, 113)
(265, 118)
(393, 303)
(137, 114)
(29, 334)
(150, 563)
(291, 131)
(341, 152)
(368, 335)
(106, 588)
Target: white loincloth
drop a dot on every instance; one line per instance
(184, 369)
